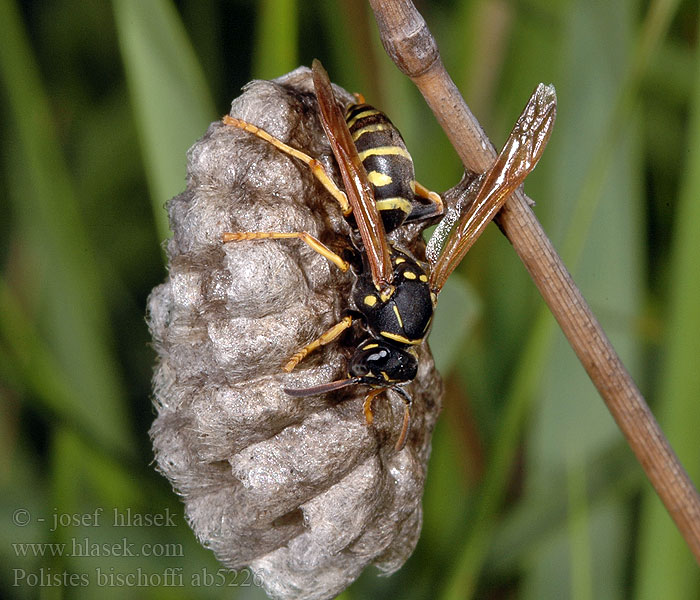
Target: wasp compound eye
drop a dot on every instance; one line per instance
(300, 489)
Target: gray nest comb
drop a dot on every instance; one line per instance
(302, 491)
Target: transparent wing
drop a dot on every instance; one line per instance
(517, 159)
(357, 187)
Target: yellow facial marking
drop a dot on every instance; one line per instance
(368, 129)
(370, 346)
(379, 179)
(383, 151)
(409, 274)
(370, 300)
(398, 316)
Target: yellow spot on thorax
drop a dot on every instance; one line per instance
(409, 274)
(398, 315)
(370, 300)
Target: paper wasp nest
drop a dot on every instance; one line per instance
(302, 491)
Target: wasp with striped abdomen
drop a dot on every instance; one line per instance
(394, 295)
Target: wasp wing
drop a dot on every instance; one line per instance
(517, 159)
(357, 187)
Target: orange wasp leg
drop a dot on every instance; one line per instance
(367, 406)
(434, 207)
(307, 238)
(369, 417)
(324, 339)
(316, 167)
(401, 442)
(433, 197)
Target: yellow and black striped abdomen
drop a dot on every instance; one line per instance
(388, 164)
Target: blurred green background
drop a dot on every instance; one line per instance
(531, 493)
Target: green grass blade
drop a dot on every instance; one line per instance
(33, 364)
(66, 282)
(169, 94)
(460, 307)
(462, 580)
(579, 531)
(666, 566)
(654, 29)
(356, 71)
(536, 354)
(276, 41)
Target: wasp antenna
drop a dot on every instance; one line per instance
(322, 389)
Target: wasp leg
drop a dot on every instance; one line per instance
(327, 337)
(369, 417)
(316, 167)
(433, 208)
(367, 406)
(401, 442)
(307, 238)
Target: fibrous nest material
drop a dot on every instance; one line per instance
(302, 491)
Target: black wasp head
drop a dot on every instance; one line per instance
(378, 361)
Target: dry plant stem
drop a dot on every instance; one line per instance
(411, 46)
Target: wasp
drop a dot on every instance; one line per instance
(394, 294)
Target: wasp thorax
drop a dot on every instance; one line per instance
(404, 315)
(301, 490)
